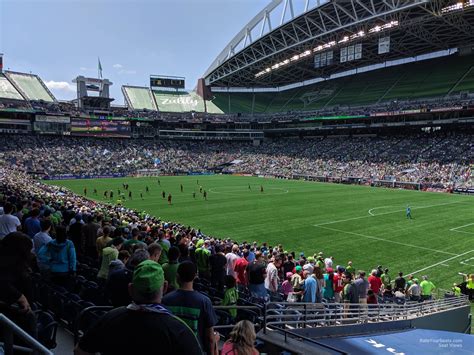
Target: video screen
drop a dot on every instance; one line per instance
(100, 128)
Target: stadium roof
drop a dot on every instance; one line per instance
(30, 86)
(286, 53)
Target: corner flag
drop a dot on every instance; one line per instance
(99, 68)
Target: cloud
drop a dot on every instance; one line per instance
(127, 71)
(117, 66)
(60, 86)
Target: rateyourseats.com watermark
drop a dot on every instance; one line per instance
(448, 343)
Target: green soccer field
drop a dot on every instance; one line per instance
(358, 223)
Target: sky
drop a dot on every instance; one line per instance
(61, 39)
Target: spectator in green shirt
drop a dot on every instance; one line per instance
(386, 279)
(171, 268)
(350, 268)
(427, 288)
(456, 290)
(202, 259)
(231, 295)
(109, 254)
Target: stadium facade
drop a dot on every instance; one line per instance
(328, 68)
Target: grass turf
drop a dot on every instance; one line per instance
(358, 223)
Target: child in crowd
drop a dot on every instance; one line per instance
(231, 295)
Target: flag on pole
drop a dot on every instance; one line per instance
(1, 62)
(99, 68)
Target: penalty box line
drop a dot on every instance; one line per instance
(440, 263)
(458, 231)
(371, 215)
(386, 240)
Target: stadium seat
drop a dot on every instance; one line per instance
(47, 329)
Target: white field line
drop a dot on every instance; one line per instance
(387, 240)
(382, 214)
(471, 233)
(466, 225)
(440, 263)
(240, 192)
(377, 208)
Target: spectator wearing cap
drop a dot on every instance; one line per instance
(414, 291)
(375, 282)
(144, 326)
(350, 268)
(308, 266)
(194, 308)
(310, 287)
(320, 261)
(109, 254)
(328, 262)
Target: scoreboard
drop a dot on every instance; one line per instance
(161, 81)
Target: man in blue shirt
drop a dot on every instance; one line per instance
(42, 237)
(310, 287)
(32, 223)
(408, 212)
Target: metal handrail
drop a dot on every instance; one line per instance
(10, 329)
(108, 308)
(299, 315)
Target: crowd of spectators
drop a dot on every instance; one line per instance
(147, 268)
(441, 161)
